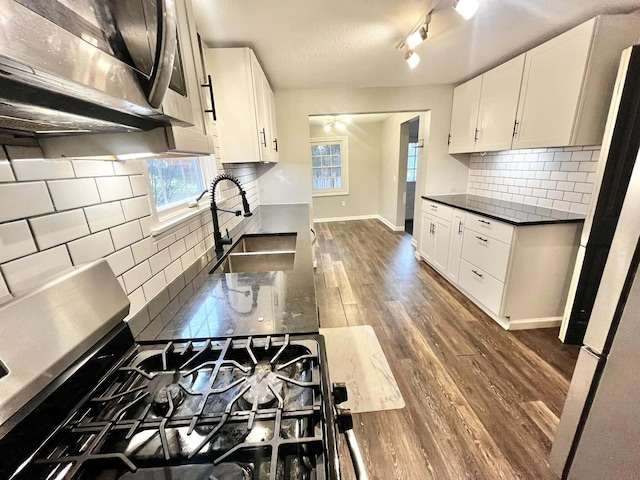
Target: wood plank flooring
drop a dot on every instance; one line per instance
(481, 402)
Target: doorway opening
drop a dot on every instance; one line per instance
(410, 129)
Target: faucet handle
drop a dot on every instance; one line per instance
(227, 230)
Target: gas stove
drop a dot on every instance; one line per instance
(245, 408)
(241, 408)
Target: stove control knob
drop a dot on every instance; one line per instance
(339, 391)
(344, 420)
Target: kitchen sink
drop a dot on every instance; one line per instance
(257, 262)
(266, 243)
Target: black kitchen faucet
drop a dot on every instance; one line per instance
(220, 241)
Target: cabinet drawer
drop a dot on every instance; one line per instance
(490, 227)
(481, 286)
(485, 252)
(437, 210)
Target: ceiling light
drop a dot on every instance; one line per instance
(417, 37)
(412, 59)
(340, 126)
(327, 127)
(466, 8)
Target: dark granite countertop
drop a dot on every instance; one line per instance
(518, 214)
(241, 304)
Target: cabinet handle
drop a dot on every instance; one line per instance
(480, 238)
(459, 228)
(275, 141)
(485, 222)
(434, 207)
(211, 110)
(515, 128)
(449, 140)
(478, 274)
(475, 139)
(264, 137)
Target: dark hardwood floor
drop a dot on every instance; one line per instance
(481, 402)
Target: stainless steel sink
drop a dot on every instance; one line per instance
(266, 243)
(257, 262)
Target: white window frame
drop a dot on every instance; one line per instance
(344, 165)
(167, 218)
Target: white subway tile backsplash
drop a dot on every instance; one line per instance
(136, 276)
(114, 188)
(188, 258)
(579, 208)
(139, 185)
(173, 270)
(166, 241)
(128, 167)
(39, 169)
(92, 168)
(154, 286)
(4, 291)
(535, 176)
(177, 249)
(136, 208)
(137, 301)
(6, 174)
(105, 215)
(23, 200)
(126, 234)
(52, 230)
(68, 194)
(586, 198)
(34, 270)
(147, 224)
(159, 261)
(143, 249)
(561, 205)
(15, 241)
(91, 248)
(121, 261)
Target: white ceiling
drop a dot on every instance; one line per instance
(351, 43)
(356, 119)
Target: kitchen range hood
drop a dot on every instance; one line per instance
(71, 66)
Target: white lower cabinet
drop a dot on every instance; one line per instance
(455, 246)
(483, 287)
(519, 275)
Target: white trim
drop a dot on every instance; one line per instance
(527, 323)
(414, 242)
(386, 222)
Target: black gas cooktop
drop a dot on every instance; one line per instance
(250, 408)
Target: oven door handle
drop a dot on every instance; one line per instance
(166, 47)
(345, 426)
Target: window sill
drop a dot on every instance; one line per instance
(330, 194)
(177, 219)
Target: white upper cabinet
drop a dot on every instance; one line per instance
(498, 105)
(551, 89)
(554, 95)
(244, 105)
(464, 116)
(190, 139)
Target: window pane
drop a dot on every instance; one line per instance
(337, 183)
(335, 160)
(335, 148)
(175, 180)
(326, 161)
(336, 172)
(411, 175)
(411, 163)
(317, 173)
(316, 161)
(320, 150)
(326, 172)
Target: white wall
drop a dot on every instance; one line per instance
(364, 172)
(290, 179)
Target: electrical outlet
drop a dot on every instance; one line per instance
(344, 204)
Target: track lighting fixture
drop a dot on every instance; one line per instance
(417, 37)
(466, 8)
(412, 58)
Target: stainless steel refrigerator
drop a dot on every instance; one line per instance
(599, 432)
(617, 159)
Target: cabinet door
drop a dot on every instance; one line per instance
(464, 116)
(190, 139)
(428, 238)
(441, 252)
(260, 93)
(455, 246)
(551, 87)
(272, 126)
(498, 105)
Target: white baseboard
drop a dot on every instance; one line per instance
(345, 219)
(527, 323)
(414, 242)
(387, 223)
